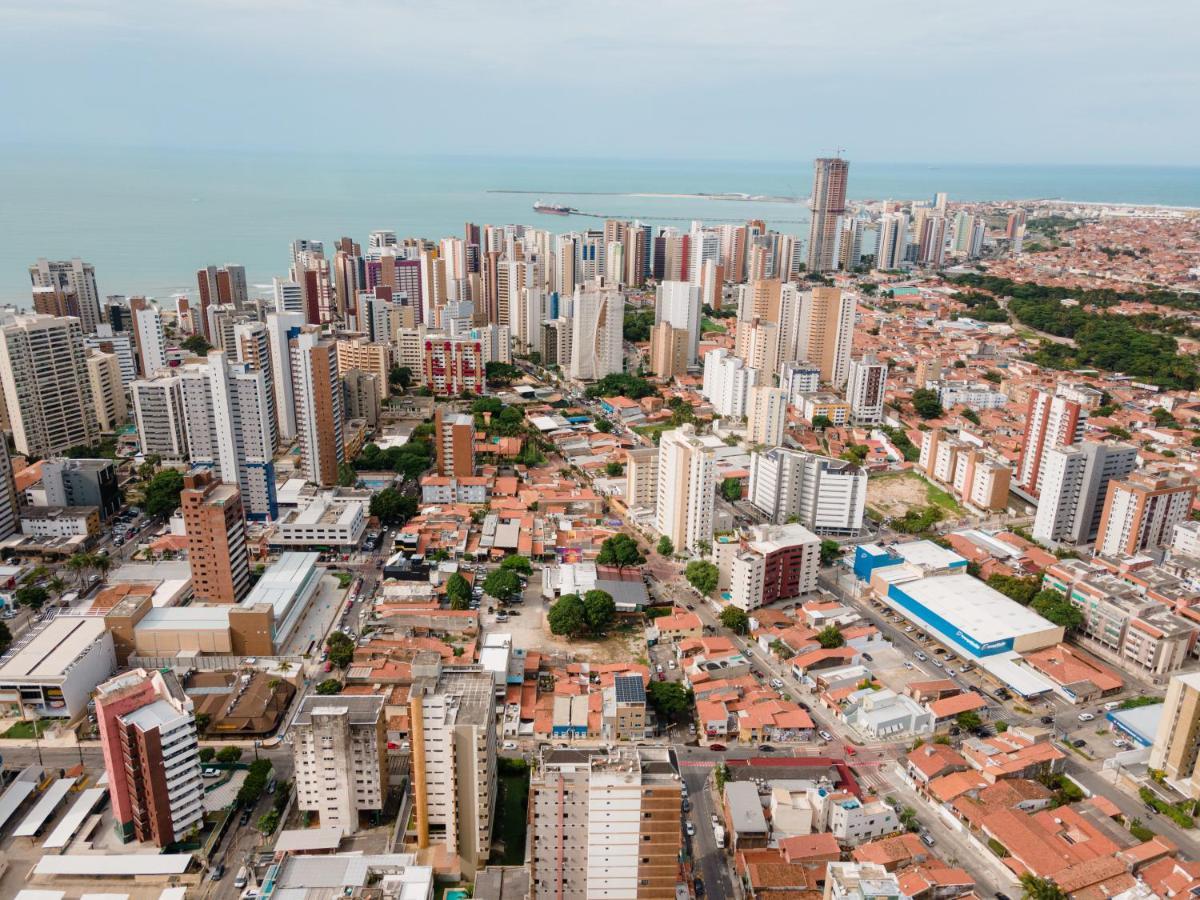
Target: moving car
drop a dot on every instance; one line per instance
(825, 735)
(720, 748)
(1086, 717)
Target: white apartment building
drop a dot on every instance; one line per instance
(766, 420)
(865, 388)
(596, 331)
(151, 339)
(727, 383)
(454, 759)
(159, 417)
(77, 277)
(686, 488)
(281, 327)
(108, 391)
(340, 757)
(119, 344)
(44, 376)
(678, 302)
(799, 378)
(1075, 483)
(975, 396)
(289, 296)
(324, 522)
(825, 495)
(1141, 512)
(641, 478)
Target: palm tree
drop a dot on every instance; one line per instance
(101, 563)
(78, 564)
(1034, 888)
(57, 585)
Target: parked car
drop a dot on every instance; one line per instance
(825, 735)
(691, 829)
(720, 748)
(850, 751)
(510, 745)
(868, 657)
(218, 873)
(765, 748)
(776, 683)
(927, 839)
(1080, 743)
(210, 772)
(1047, 720)
(1086, 717)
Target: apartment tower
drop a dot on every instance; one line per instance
(686, 488)
(216, 535)
(830, 176)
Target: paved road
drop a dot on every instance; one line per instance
(1133, 808)
(708, 860)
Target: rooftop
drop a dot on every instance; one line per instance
(50, 651)
(362, 709)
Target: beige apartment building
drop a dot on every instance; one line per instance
(641, 478)
(668, 350)
(340, 755)
(1141, 512)
(1177, 743)
(366, 356)
(215, 525)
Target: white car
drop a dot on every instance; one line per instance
(776, 683)
(715, 820)
(825, 735)
(510, 745)
(1086, 717)
(691, 829)
(921, 656)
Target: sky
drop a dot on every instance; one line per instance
(1023, 81)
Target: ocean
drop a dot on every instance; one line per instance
(147, 219)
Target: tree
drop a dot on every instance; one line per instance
(1162, 418)
(665, 547)
(599, 609)
(603, 425)
(5, 637)
(341, 649)
(1016, 588)
(503, 584)
(1035, 888)
(458, 592)
(702, 575)
(149, 466)
(229, 755)
(614, 469)
(735, 619)
(820, 423)
(487, 405)
(255, 783)
(197, 345)
(731, 489)
(968, 721)
(329, 686)
(392, 507)
(830, 551)
(269, 822)
(207, 754)
(1055, 607)
(669, 699)
(161, 497)
(501, 372)
(519, 564)
(32, 595)
(202, 720)
(830, 637)
(926, 403)
(908, 818)
(401, 377)
(347, 477)
(620, 551)
(567, 616)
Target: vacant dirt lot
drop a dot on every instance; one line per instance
(894, 495)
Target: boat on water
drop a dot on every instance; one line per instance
(552, 209)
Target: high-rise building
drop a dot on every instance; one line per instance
(151, 339)
(454, 443)
(1176, 746)
(82, 482)
(727, 383)
(9, 509)
(72, 276)
(216, 536)
(108, 390)
(1141, 512)
(289, 298)
(361, 396)
(668, 350)
(366, 356)
(766, 415)
(825, 495)
(779, 562)
(1051, 420)
(686, 488)
(454, 366)
(826, 332)
(281, 328)
(931, 247)
(865, 389)
(597, 323)
(120, 345)
(159, 417)
(152, 756)
(641, 478)
(1075, 483)
(678, 302)
(47, 392)
(892, 247)
(605, 825)
(340, 757)
(318, 402)
(830, 177)
(757, 343)
(453, 735)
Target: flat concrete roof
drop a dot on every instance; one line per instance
(186, 618)
(115, 864)
(79, 811)
(49, 652)
(281, 581)
(970, 605)
(42, 810)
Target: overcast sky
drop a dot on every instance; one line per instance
(1054, 81)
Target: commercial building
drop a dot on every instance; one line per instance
(825, 495)
(597, 320)
(1051, 420)
(152, 756)
(1141, 512)
(727, 383)
(678, 305)
(340, 757)
(766, 417)
(82, 482)
(777, 563)
(216, 533)
(353, 874)
(686, 488)
(60, 521)
(605, 825)
(453, 366)
(317, 395)
(623, 716)
(830, 177)
(865, 389)
(454, 443)
(47, 392)
(453, 735)
(75, 277)
(54, 669)
(1075, 483)
(324, 522)
(1177, 743)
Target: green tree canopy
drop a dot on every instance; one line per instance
(735, 619)
(1035, 888)
(603, 425)
(1055, 607)
(501, 372)
(32, 595)
(347, 477)
(665, 547)
(458, 591)
(392, 507)
(620, 551)
(1015, 587)
(519, 564)
(830, 636)
(567, 616)
(197, 345)
(503, 584)
(670, 700)
(820, 423)
(731, 489)
(702, 575)
(229, 754)
(329, 686)
(968, 721)
(401, 377)
(926, 403)
(830, 551)
(161, 497)
(614, 469)
(341, 649)
(599, 609)
(621, 385)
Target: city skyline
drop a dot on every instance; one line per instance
(993, 67)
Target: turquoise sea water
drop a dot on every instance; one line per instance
(149, 219)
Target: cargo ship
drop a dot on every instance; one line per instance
(552, 209)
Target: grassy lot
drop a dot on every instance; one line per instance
(651, 430)
(510, 822)
(24, 730)
(707, 324)
(895, 493)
